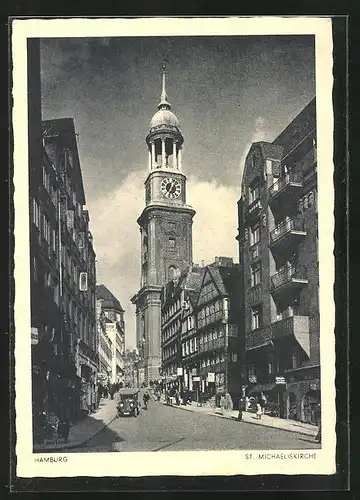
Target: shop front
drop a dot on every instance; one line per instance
(303, 400)
(271, 395)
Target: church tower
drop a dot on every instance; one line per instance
(165, 228)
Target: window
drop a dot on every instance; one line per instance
(70, 219)
(83, 285)
(252, 371)
(68, 157)
(36, 213)
(46, 180)
(306, 202)
(255, 318)
(268, 167)
(311, 198)
(54, 196)
(254, 234)
(46, 228)
(254, 192)
(172, 242)
(255, 274)
(53, 240)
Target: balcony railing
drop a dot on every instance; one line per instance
(215, 368)
(291, 178)
(254, 208)
(295, 326)
(293, 228)
(287, 275)
(212, 345)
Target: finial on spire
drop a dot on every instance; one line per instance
(164, 103)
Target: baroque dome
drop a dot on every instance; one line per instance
(164, 117)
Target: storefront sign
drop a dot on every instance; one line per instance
(196, 379)
(280, 380)
(34, 336)
(211, 377)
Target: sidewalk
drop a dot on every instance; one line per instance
(250, 418)
(84, 429)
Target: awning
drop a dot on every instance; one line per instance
(263, 388)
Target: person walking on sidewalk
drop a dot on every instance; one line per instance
(259, 411)
(222, 403)
(146, 398)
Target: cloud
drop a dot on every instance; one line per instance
(215, 222)
(117, 238)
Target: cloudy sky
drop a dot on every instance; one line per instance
(227, 92)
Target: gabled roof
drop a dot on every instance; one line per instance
(223, 277)
(189, 279)
(109, 300)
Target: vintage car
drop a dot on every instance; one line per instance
(128, 403)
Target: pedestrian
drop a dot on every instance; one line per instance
(263, 402)
(259, 411)
(146, 398)
(217, 399)
(177, 397)
(222, 403)
(247, 403)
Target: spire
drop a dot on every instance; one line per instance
(164, 103)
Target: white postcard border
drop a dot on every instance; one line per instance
(189, 463)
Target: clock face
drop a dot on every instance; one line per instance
(170, 188)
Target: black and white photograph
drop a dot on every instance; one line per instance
(174, 242)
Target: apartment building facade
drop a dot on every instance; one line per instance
(278, 248)
(114, 324)
(217, 314)
(76, 255)
(64, 338)
(200, 330)
(175, 303)
(105, 346)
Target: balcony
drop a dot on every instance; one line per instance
(212, 345)
(253, 210)
(287, 185)
(296, 327)
(287, 282)
(287, 235)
